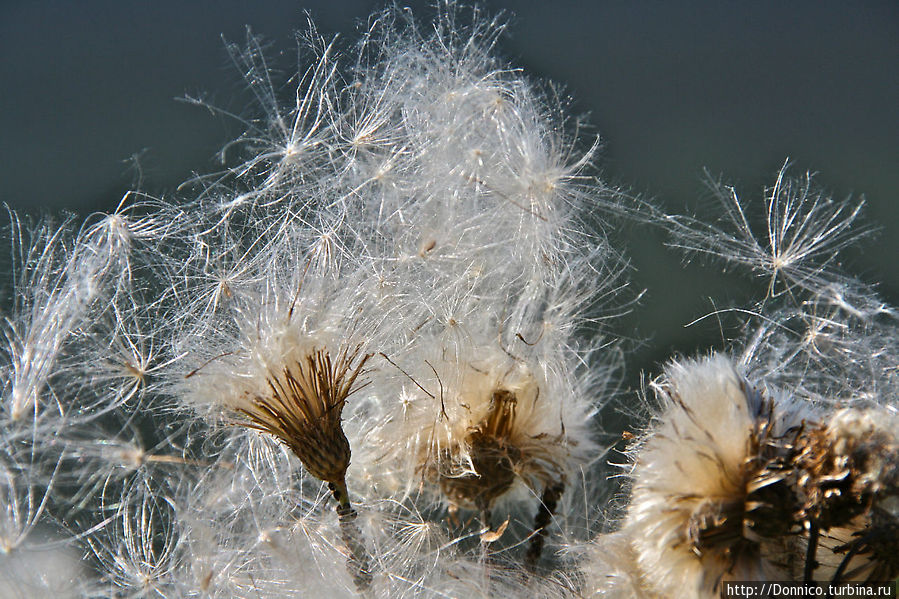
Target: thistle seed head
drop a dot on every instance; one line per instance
(847, 486)
(846, 466)
(712, 500)
(493, 457)
(500, 429)
(303, 410)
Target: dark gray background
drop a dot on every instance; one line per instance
(672, 87)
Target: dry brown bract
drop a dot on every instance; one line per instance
(493, 457)
(756, 521)
(848, 476)
(304, 411)
(498, 450)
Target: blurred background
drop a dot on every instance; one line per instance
(670, 87)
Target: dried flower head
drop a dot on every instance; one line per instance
(847, 485)
(732, 484)
(710, 500)
(495, 433)
(491, 453)
(303, 410)
(293, 388)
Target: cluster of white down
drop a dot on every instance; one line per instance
(391, 299)
(712, 499)
(780, 463)
(414, 218)
(692, 463)
(423, 213)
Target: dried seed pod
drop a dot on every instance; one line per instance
(846, 465)
(492, 454)
(847, 483)
(303, 410)
(712, 499)
(730, 485)
(499, 429)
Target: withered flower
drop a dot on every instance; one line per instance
(496, 451)
(735, 485)
(847, 475)
(712, 496)
(493, 458)
(303, 410)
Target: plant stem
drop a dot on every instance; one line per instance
(548, 503)
(358, 560)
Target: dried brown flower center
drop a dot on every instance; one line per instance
(493, 457)
(303, 410)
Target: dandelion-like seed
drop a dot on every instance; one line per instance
(804, 232)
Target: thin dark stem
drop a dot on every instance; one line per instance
(359, 561)
(857, 546)
(810, 563)
(545, 512)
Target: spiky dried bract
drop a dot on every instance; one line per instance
(492, 457)
(297, 394)
(303, 410)
(734, 484)
(847, 485)
(846, 464)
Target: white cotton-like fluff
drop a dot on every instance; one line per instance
(692, 477)
(42, 572)
(424, 218)
(384, 296)
(484, 274)
(256, 524)
(612, 571)
(64, 283)
(490, 407)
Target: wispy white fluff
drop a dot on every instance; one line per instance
(699, 463)
(804, 231)
(418, 204)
